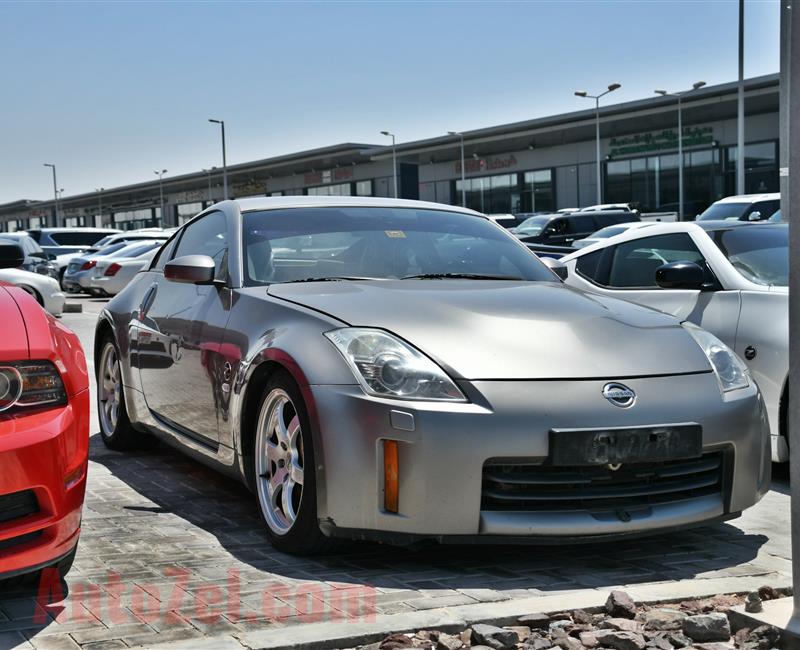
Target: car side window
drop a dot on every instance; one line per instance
(589, 264)
(206, 236)
(556, 227)
(582, 225)
(164, 255)
(634, 263)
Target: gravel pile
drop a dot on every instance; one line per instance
(620, 625)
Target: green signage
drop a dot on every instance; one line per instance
(660, 140)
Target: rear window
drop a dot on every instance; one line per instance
(724, 211)
(76, 238)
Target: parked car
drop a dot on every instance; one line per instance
(776, 217)
(130, 237)
(81, 268)
(353, 361)
(728, 277)
(44, 289)
(44, 449)
(112, 274)
(745, 207)
(564, 229)
(36, 260)
(60, 241)
(615, 207)
(609, 231)
(505, 220)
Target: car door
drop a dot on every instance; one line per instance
(627, 271)
(180, 327)
(556, 232)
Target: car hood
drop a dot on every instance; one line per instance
(511, 330)
(15, 335)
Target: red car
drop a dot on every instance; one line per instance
(44, 433)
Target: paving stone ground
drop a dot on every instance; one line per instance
(174, 555)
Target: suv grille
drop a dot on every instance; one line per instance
(536, 488)
(18, 505)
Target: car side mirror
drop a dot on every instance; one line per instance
(11, 256)
(754, 216)
(680, 275)
(191, 269)
(556, 266)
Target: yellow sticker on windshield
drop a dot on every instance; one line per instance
(395, 234)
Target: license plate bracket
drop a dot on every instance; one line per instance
(588, 447)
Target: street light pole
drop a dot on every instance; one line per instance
(740, 108)
(394, 159)
(55, 192)
(596, 98)
(679, 95)
(160, 175)
(99, 191)
(224, 160)
(463, 181)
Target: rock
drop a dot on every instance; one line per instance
(716, 645)
(494, 637)
(768, 593)
(621, 640)
(588, 639)
(561, 616)
(620, 605)
(537, 643)
(466, 637)
(752, 603)
(523, 631)
(448, 642)
(664, 619)
(679, 640)
(535, 621)
(763, 637)
(566, 642)
(395, 641)
(660, 643)
(556, 626)
(707, 627)
(582, 617)
(623, 624)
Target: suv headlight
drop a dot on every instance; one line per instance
(731, 371)
(30, 384)
(385, 366)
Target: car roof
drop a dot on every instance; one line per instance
(279, 202)
(110, 231)
(751, 198)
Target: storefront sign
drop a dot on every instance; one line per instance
(660, 140)
(328, 176)
(474, 166)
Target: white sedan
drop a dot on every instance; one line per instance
(45, 289)
(610, 231)
(729, 277)
(111, 275)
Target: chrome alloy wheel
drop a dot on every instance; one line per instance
(109, 393)
(279, 461)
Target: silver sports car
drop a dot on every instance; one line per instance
(400, 371)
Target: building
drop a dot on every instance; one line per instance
(536, 165)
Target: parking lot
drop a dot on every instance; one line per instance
(173, 553)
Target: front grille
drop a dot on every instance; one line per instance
(17, 505)
(537, 488)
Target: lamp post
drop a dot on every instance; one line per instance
(99, 191)
(463, 181)
(596, 98)
(740, 107)
(394, 159)
(160, 175)
(55, 192)
(224, 160)
(679, 95)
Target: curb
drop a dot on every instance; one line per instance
(329, 636)
(73, 307)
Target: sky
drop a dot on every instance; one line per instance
(111, 91)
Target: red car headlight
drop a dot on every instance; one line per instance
(30, 384)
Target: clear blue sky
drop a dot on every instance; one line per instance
(110, 92)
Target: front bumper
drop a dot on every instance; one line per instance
(444, 448)
(54, 302)
(41, 497)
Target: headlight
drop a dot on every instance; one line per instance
(385, 366)
(30, 384)
(731, 371)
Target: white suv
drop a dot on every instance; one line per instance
(745, 207)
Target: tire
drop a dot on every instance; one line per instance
(283, 464)
(115, 427)
(33, 293)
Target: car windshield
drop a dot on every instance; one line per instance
(532, 226)
(339, 243)
(759, 254)
(134, 250)
(76, 238)
(102, 242)
(724, 211)
(609, 231)
(108, 250)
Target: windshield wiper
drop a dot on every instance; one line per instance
(331, 278)
(466, 276)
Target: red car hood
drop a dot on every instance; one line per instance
(14, 340)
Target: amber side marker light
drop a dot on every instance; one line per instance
(390, 474)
